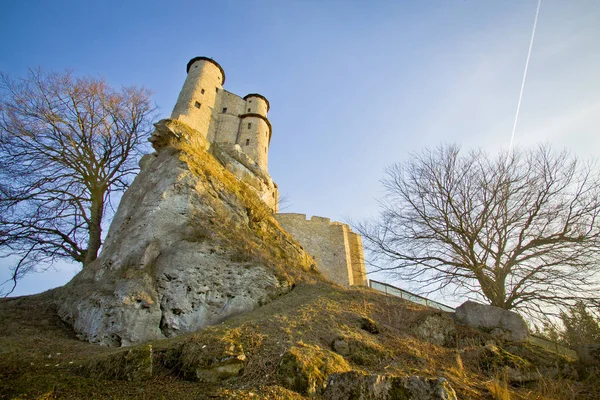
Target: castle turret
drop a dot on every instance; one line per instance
(231, 125)
(200, 95)
(255, 130)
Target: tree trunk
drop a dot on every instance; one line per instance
(95, 228)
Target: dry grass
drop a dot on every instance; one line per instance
(313, 315)
(251, 237)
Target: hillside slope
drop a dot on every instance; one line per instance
(290, 348)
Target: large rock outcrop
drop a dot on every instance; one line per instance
(505, 324)
(189, 246)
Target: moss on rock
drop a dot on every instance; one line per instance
(304, 368)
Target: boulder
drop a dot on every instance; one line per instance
(507, 325)
(189, 246)
(360, 386)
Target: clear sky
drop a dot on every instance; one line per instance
(353, 85)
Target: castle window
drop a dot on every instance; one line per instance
(202, 91)
(249, 125)
(217, 90)
(248, 110)
(197, 104)
(249, 101)
(247, 142)
(224, 109)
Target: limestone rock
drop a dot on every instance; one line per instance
(363, 350)
(246, 170)
(189, 246)
(495, 360)
(135, 364)
(305, 368)
(438, 329)
(359, 386)
(504, 324)
(222, 368)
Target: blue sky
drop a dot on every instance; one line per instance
(354, 86)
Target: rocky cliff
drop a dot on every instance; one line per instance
(189, 246)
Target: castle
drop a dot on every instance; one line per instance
(239, 133)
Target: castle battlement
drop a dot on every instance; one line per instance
(337, 250)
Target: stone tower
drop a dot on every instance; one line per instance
(221, 116)
(237, 128)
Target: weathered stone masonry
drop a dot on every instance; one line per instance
(337, 250)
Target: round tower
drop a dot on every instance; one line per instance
(199, 95)
(255, 132)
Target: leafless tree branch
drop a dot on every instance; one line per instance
(523, 234)
(67, 144)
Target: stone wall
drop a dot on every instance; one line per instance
(336, 249)
(357, 257)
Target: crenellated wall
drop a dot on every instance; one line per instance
(336, 249)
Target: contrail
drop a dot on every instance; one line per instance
(512, 136)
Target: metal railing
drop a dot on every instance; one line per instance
(415, 298)
(403, 294)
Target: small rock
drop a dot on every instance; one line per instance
(224, 368)
(438, 329)
(340, 346)
(369, 325)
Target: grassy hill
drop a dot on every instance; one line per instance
(278, 351)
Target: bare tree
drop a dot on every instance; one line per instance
(67, 144)
(521, 232)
